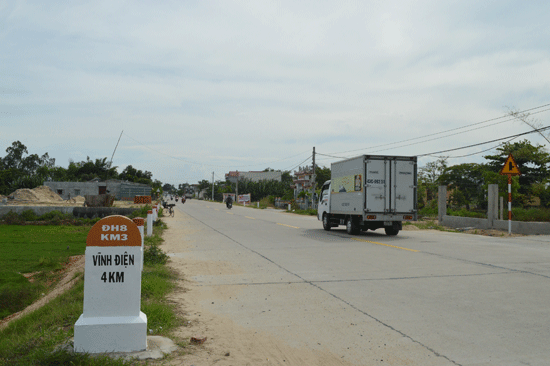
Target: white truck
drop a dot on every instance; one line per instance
(369, 192)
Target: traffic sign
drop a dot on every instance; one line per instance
(510, 167)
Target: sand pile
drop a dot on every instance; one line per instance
(77, 199)
(41, 194)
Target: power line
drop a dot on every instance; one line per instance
(454, 129)
(475, 153)
(488, 142)
(210, 165)
(294, 167)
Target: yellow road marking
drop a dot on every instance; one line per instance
(294, 227)
(387, 245)
(251, 218)
(229, 213)
(216, 209)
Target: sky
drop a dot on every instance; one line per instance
(193, 88)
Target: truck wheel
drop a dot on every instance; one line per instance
(390, 231)
(351, 226)
(326, 222)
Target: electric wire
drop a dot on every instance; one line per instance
(475, 153)
(453, 129)
(452, 134)
(294, 167)
(486, 142)
(210, 165)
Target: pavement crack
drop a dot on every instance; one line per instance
(311, 283)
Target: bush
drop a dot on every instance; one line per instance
(429, 209)
(467, 213)
(142, 212)
(28, 215)
(11, 218)
(531, 214)
(55, 216)
(154, 255)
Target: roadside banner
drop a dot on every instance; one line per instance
(232, 195)
(244, 198)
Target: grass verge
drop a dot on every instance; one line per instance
(428, 225)
(30, 260)
(34, 338)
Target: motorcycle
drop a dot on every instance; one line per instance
(228, 204)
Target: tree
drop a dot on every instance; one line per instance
(169, 188)
(203, 184)
(465, 182)
(428, 178)
(322, 175)
(531, 122)
(87, 170)
(14, 158)
(132, 174)
(532, 161)
(20, 171)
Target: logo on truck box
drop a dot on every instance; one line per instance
(348, 184)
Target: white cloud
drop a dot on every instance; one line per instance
(229, 83)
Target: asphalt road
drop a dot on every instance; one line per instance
(420, 298)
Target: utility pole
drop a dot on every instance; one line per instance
(212, 186)
(237, 189)
(313, 176)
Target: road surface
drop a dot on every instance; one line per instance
(420, 298)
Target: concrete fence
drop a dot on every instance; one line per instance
(492, 221)
(302, 204)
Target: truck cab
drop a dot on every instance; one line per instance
(323, 206)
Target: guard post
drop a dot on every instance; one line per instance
(112, 320)
(510, 169)
(140, 222)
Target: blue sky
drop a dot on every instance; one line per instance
(212, 86)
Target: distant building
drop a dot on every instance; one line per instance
(122, 190)
(302, 181)
(253, 176)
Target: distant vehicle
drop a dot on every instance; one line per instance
(369, 192)
(229, 202)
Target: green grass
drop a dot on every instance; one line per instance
(529, 214)
(28, 249)
(309, 211)
(34, 338)
(427, 225)
(467, 213)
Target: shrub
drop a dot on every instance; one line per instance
(154, 255)
(28, 215)
(55, 216)
(11, 218)
(531, 214)
(467, 213)
(142, 212)
(430, 209)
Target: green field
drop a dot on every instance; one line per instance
(32, 339)
(30, 249)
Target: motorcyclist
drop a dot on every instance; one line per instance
(229, 201)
